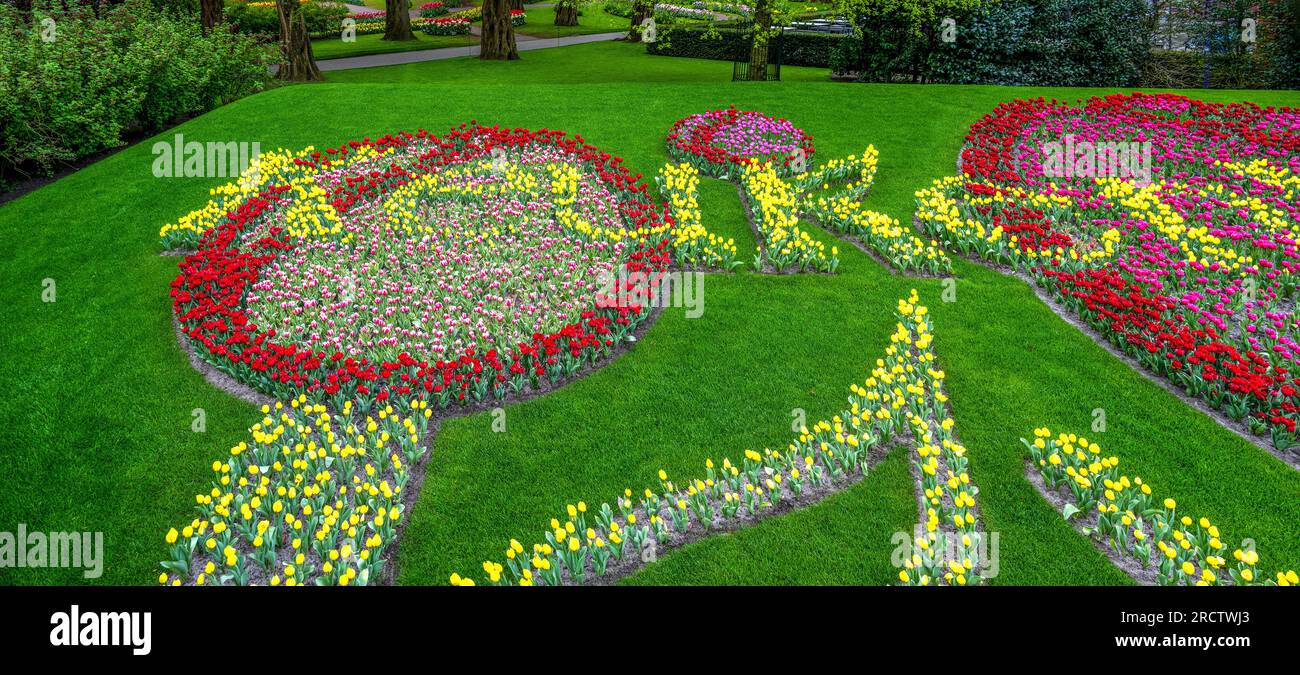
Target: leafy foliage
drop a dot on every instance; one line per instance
(73, 84)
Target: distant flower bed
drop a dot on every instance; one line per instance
(430, 10)
(447, 25)
(684, 12)
(723, 7)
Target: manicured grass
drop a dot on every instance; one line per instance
(96, 428)
(336, 48)
(541, 23)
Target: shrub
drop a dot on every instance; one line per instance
(132, 69)
(797, 49)
(260, 17)
(1013, 42)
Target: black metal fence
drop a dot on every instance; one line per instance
(766, 56)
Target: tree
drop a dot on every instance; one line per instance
(296, 61)
(498, 40)
(211, 12)
(641, 10)
(762, 34)
(566, 12)
(397, 20)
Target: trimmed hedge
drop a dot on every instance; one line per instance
(797, 49)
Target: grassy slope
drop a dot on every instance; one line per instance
(96, 429)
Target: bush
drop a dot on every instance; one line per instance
(1013, 42)
(1281, 46)
(797, 49)
(259, 18)
(132, 69)
(1184, 70)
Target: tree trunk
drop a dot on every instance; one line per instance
(397, 20)
(762, 34)
(211, 12)
(566, 14)
(296, 61)
(517, 4)
(641, 10)
(498, 40)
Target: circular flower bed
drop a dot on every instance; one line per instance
(717, 142)
(1170, 225)
(465, 266)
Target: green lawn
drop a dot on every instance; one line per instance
(96, 426)
(364, 45)
(541, 23)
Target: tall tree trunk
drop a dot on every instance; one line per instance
(566, 13)
(762, 35)
(517, 4)
(211, 12)
(397, 20)
(641, 10)
(498, 40)
(296, 61)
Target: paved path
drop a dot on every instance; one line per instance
(397, 58)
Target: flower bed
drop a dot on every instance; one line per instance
(1133, 523)
(768, 157)
(679, 186)
(312, 273)
(721, 142)
(902, 397)
(430, 10)
(684, 12)
(447, 25)
(313, 497)
(1190, 268)
(842, 210)
(774, 207)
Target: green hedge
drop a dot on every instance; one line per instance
(1185, 70)
(102, 78)
(797, 49)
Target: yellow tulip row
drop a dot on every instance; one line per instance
(1122, 512)
(774, 212)
(902, 249)
(856, 174)
(270, 168)
(903, 395)
(310, 498)
(693, 244)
